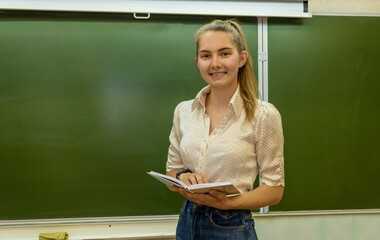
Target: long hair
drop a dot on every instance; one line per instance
(246, 76)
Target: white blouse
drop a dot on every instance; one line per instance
(236, 150)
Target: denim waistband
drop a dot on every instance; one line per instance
(196, 208)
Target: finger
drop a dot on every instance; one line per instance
(195, 198)
(213, 193)
(192, 179)
(186, 194)
(187, 181)
(216, 195)
(182, 192)
(200, 178)
(195, 178)
(204, 179)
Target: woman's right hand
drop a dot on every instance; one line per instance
(192, 178)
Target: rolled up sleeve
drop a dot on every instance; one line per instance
(270, 147)
(174, 161)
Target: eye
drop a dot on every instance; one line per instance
(225, 54)
(205, 56)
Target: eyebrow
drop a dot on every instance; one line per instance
(219, 50)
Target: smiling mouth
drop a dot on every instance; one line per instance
(217, 74)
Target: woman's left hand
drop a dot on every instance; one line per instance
(214, 198)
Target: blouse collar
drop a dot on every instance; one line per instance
(236, 102)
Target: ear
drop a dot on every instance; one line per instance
(243, 58)
(196, 61)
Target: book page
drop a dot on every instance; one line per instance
(170, 181)
(225, 187)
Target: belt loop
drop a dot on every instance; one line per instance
(185, 204)
(248, 216)
(208, 211)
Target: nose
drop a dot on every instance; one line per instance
(215, 64)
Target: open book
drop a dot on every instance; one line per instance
(225, 187)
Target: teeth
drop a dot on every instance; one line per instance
(217, 74)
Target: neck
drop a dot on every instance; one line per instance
(221, 97)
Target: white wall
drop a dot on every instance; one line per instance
(359, 7)
(313, 225)
(320, 227)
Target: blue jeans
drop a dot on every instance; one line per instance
(198, 222)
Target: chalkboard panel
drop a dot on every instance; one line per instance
(86, 103)
(324, 78)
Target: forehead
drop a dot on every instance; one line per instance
(214, 40)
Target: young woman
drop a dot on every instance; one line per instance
(225, 134)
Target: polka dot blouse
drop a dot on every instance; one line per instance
(236, 150)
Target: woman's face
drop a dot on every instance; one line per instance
(218, 59)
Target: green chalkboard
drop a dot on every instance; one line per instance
(324, 78)
(86, 106)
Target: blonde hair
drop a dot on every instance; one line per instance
(246, 76)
